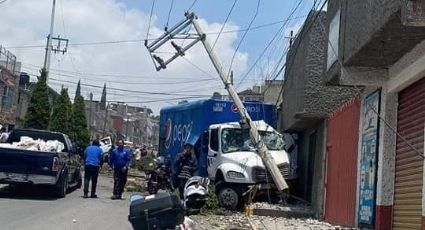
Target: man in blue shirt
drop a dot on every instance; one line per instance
(92, 162)
(120, 161)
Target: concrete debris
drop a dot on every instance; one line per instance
(239, 221)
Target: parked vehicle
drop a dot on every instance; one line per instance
(159, 178)
(222, 145)
(60, 170)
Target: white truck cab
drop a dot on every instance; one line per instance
(233, 163)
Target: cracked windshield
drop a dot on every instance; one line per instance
(136, 114)
(234, 140)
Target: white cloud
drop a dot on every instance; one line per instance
(26, 22)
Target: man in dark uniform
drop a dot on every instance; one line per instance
(185, 164)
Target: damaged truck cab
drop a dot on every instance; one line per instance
(223, 148)
(235, 166)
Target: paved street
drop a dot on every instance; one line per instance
(29, 210)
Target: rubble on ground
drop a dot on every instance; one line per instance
(240, 221)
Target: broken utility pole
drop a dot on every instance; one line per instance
(174, 33)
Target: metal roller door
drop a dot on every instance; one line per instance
(407, 210)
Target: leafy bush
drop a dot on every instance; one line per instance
(212, 206)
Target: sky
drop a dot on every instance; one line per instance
(106, 45)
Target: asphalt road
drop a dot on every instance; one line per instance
(31, 209)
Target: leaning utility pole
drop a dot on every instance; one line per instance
(174, 33)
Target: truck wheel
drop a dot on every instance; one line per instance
(62, 187)
(228, 196)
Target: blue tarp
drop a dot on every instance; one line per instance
(185, 123)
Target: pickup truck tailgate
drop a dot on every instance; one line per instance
(26, 162)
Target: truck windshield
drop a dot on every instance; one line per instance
(233, 140)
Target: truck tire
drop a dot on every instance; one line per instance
(62, 187)
(229, 196)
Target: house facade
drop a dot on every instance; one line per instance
(378, 49)
(306, 107)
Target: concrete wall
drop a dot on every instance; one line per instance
(305, 93)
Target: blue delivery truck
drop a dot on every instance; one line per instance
(223, 148)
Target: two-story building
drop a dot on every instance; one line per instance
(378, 49)
(306, 107)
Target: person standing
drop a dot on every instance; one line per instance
(92, 162)
(120, 161)
(185, 164)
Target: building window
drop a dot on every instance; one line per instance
(7, 98)
(333, 44)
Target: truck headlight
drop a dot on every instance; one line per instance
(235, 175)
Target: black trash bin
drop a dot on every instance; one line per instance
(156, 212)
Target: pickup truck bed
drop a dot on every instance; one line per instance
(25, 166)
(61, 170)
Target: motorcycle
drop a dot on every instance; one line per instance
(165, 210)
(159, 177)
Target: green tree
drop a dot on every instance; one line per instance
(37, 116)
(80, 132)
(60, 120)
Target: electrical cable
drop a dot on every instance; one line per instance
(224, 24)
(150, 19)
(269, 44)
(169, 13)
(133, 91)
(243, 36)
(141, 40)
(32, 66)
(192, 5)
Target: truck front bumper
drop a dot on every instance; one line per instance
(19, 178)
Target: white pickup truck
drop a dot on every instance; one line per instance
(234, 165)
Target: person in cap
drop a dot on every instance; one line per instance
(185, 164)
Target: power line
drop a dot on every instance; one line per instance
(182, 77)
(224, 24)
(169, 13)
(269, 44)
(243, 36)
(192, 5)
(132, 91)
(142, 40)
(150, 19)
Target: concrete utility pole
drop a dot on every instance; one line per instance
(61, 46)
(46, 65)
(174, 33)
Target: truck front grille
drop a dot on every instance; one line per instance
(263, 175)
